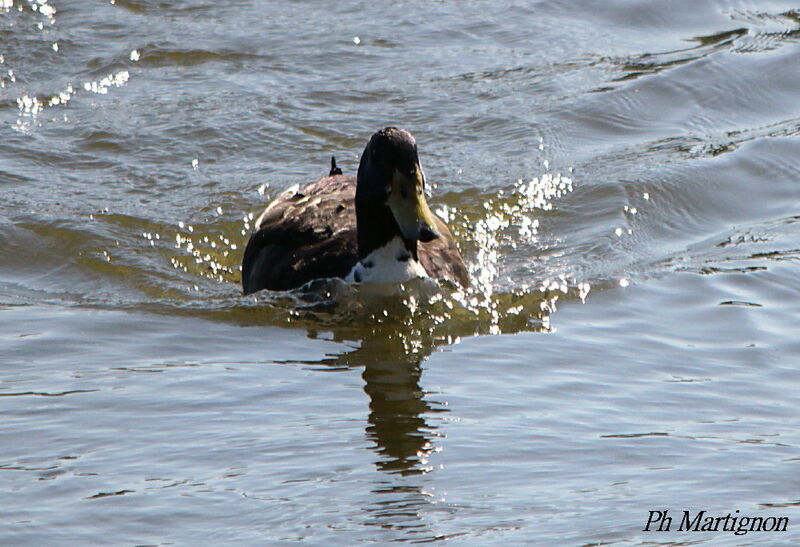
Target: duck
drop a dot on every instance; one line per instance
(375, 227)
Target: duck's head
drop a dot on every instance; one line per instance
(390, 195)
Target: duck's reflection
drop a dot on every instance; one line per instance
(399, 410)
(401, 427)
(391, 353)
(402, 424)
(398, 407)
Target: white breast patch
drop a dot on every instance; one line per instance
(384, 265)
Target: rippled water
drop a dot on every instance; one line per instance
(622, 178)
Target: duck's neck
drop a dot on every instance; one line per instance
(376, 228)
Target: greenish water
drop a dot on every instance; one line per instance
(622, 178)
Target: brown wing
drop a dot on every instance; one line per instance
(303, 235)
(441, 258)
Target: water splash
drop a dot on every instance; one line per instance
(509, 219)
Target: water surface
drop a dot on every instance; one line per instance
(622, 178)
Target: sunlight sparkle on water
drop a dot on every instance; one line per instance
(514, 209)
(29, 105)
(583, 291)
(444, 213)
(510, 219)
(38, 5)
(101, 86)
(206, 255)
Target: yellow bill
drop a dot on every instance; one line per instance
(408, 205)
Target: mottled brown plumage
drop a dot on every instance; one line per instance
(311, 234)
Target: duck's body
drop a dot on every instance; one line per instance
(374, 228)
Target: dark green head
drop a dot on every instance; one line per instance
(390, 196)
